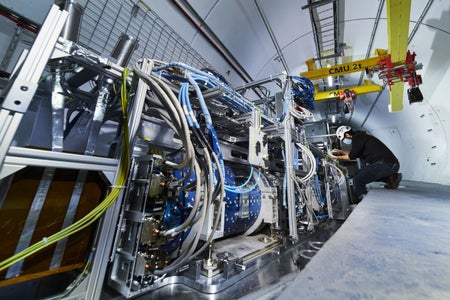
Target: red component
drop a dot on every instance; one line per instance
(406, 73)
(347, 96)
(19, 21)
(300, 109)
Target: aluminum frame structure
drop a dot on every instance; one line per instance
(18, 95)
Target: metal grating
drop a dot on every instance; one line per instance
(105, 20)
(325, 24)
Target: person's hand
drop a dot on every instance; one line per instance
(336, 152)
(332, 154)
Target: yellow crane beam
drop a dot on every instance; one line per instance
(346, 68)
(367, 87)
(398, 13)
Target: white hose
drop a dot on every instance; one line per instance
(312, 161)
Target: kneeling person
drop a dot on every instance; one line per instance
(382, 165)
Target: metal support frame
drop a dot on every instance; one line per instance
(12, 47)
(68, 218)
(140, 179)
(19, 158)
(19, 93)
(289, 169)
(25, 81)
(108, 229)
(141, 92)
(32, 219)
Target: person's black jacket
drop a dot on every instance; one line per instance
(370, 149)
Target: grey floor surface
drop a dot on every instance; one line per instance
(394, 245)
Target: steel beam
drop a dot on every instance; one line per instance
(22, 87)
(398, 13)
(367, 87)
(346, 68)
(396, 95)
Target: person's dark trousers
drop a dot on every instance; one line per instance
(377, 171)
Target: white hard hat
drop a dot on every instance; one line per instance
(340, 132)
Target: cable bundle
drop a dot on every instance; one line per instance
(303, 90)
(206, 164)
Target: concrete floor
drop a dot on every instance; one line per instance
(394, 245)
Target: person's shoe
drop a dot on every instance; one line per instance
(393, 181)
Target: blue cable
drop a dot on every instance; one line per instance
(285, 109)
(244, 184)
(296, 157)
(182, 100)
(186, 103)
(209, 125)
(238, 103)
(212, 79)
(306, 93)
(172, 77)
(321, 216)
(255, 184)
(201, 100)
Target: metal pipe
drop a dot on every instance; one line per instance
(71, 30)
(124, 49)
(261, 81)
(372, 36)
(207, 33)
(369, 49)
(272, 37)
(419, 21)
(373, 105)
